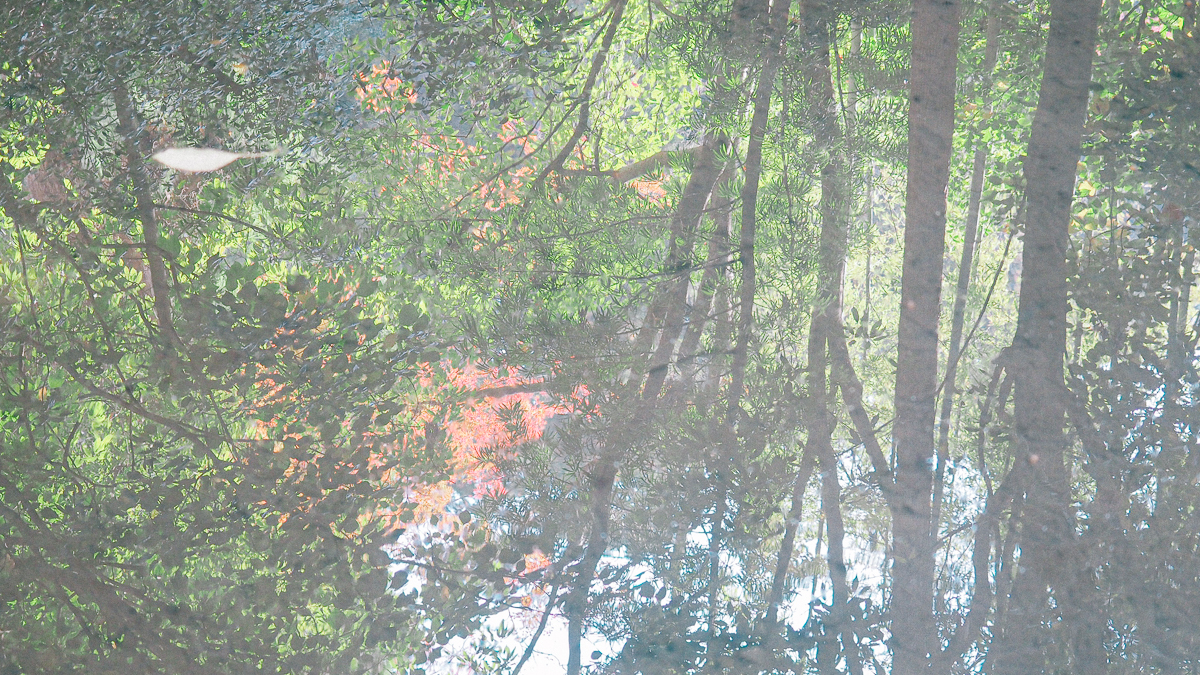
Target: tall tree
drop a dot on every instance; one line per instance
(935, 27)
(1036, 356)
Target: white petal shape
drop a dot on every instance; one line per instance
(199, 160)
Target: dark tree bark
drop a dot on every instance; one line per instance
(935, 28)
(1039, 344)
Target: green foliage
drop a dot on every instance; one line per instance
(234, 429)
(199, 489)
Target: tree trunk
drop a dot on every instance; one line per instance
(758, 132)
(826, 318)
(137, 147)
(715, 269)
(787, 546)
(827, 311)
(931, 128)
(963, 283)
(688, 215)
(1040, 341)
(576, 604)
(777, 17)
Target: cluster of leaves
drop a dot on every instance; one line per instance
(204, 427)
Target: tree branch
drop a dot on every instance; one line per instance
(788, 546)
(199, 212)
(135, 149)
(584, 102)
(553, 600)
(852, 395)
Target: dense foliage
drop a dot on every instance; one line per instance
(600, 336)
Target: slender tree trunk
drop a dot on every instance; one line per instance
(826, 319)
(715, 266)
(839, 619)
(1183, 277)
(137, 147)
(856, 34)
(931, 127)
(787, 546)
(1040, 343)
(686, 220)
(758, 129)
(777, 16)
(669, 306)
(872, 230)
(827, 311)
(958, 318)
(963, 284)
(603, 479)
(852, 396)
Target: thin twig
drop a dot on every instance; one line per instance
(541, 627)
(215, 214)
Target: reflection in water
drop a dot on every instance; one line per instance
(598, 336)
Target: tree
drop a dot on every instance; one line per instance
(931, 126)
(1040, 342)
(196, 427)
